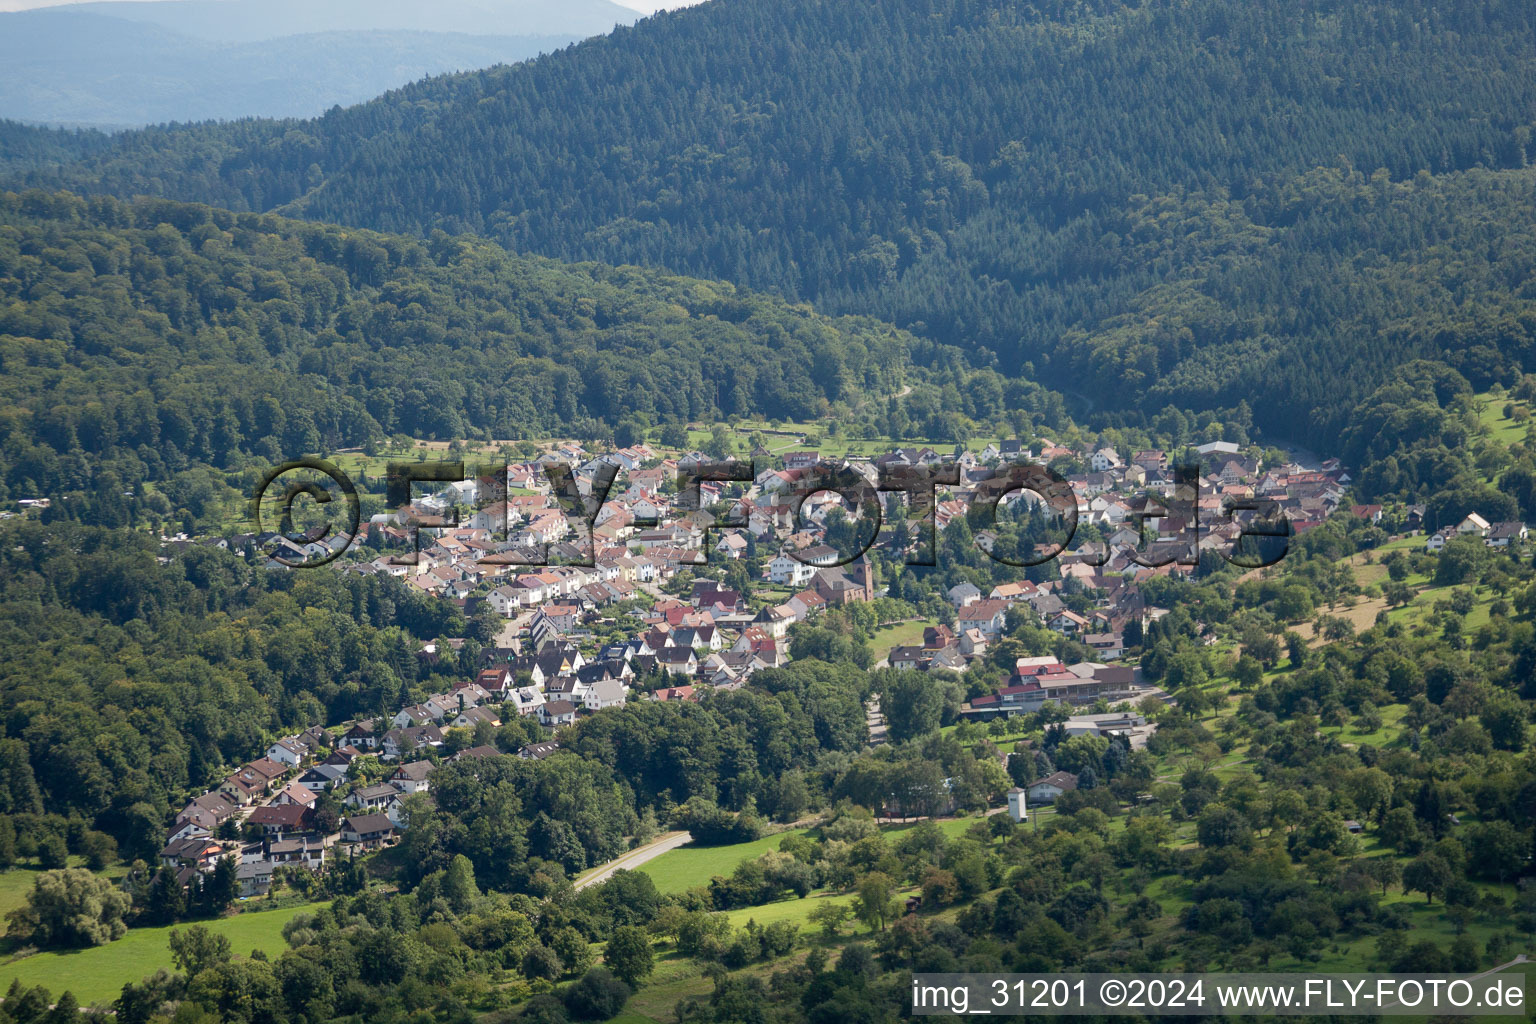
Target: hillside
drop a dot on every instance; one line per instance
(1014, 180)
(152, 337)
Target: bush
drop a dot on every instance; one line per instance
(597, 996)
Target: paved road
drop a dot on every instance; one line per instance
(634, 858)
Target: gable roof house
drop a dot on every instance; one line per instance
(276, 819)
(605, 693)
(412, 778)
(1046, 790)
(207, 811)
(989, 615)
(290, 751)
(293, 793)
(558, 712)
(369, 831)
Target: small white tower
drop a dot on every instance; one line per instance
(1016, 809)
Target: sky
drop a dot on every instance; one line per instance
(644, 6)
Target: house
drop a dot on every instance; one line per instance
(605, 693)
(255, 877)
(1502, 535)
(412, 778)
(201, 854)
(289, 752)
(417, 714)
(1104, 460)
(370, 831)
(679, 661)
(989, 615)
(666, 693)
(276, 819)
(402, 741)
(484, 750)
(361, 736)
(207, 811)
(559, 712)
(373, 798)
(1067, 622)
(473, 717)
(1110, 646)
(1046, 790)
(302, 851)
(322, 777)
(790, 572)
(293, 793)
(1474, 523)
(962, 594)
(260, 775)
(242, 791)
(539, 751)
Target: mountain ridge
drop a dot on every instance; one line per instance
(967, 169)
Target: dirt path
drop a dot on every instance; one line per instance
(636, 857)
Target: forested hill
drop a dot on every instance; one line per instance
(978, 170)
(148, 337)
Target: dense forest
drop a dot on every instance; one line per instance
(145, 340)
(127, 682)
(1117, 197)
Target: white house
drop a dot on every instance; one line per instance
(556, 712)
(605, 693)
(1046, 790)
(788, 571)
(1474, 523)
(962, 594)
(1104, 460)
(287, 751)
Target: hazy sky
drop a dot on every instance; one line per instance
(646, 6)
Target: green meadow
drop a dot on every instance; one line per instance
(97, 975)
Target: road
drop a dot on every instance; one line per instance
(634, 858)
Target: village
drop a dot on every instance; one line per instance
(578, 639)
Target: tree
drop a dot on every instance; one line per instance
(1506, 718)
(629, 954)
(71, 907)
(1384, 871)
(571, 947)
(195, 948)
(874, 903)
(597, 996)
(219, 887)
(912, 703)
(459, 885)
(829, 917)
(166, 903)
(1428, 873)
(1496, 850)
(1221, 826)
(541, 962)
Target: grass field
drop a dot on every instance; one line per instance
(1503, 429)
(98, 975)
(681, 869)
(901, 634)
(796, 911)
(14, 886)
